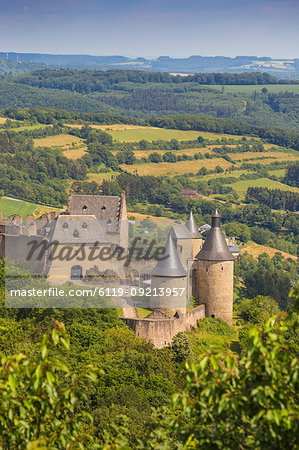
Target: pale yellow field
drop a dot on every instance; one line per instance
(3, 120)
(177, 168)
(286, 157)
(188, 151)
(258, 155)
(118, 127)
(72, 146)
(255, 250)
(40, 209)
(99, 177)
(75, 153)
(164, 222)
(60, 140)
(115, 127)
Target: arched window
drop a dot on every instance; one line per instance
(65, 226)
(103, 208)
(76, 273)
(84, 209)
(76, 234)
(84, 225)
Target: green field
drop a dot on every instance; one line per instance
(25, 127)
(241, 186)
(9, 207)
(152, 134)
(278, 172)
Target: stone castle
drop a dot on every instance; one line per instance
(192, 269)
(201, 270)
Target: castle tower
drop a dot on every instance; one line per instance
(169, 282)
(196, 235)
(215, 268)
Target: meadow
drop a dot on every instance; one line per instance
(255, 250)
(72, 146)
(135, 133)
(13, 206)
(100, 177)
(241, 186)
(26, 127)
(178, 168)
(9, 206)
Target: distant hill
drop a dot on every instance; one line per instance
(13, 67)
(279, 67)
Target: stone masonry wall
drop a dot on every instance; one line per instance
(215, 288)
(161, 331)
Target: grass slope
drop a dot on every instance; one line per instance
(9, 206)
(13, 206)
(241, 186)
(255, 250)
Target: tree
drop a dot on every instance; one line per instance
(253, 405)
(155, 157)
(258, 310)
(37, 410)
(181, 347)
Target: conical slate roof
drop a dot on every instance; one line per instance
(215, 248)
(170, 265)
(192, 227)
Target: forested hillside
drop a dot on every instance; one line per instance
(255, 98)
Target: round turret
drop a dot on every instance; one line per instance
(215, 268)
(169, 282)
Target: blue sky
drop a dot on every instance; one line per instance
(151, 28)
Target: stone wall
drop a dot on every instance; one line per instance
(169, 303)
(159, 328)
(215, 288)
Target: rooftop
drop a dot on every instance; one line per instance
(215, 248)
(192, 227)
(170, 265)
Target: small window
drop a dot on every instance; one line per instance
(76, 234)
(84, 225)
(207, 269)
(109, 221)
(103, 208)
(84, 208)
(213, 316)
(222, 268)
(65, 226)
